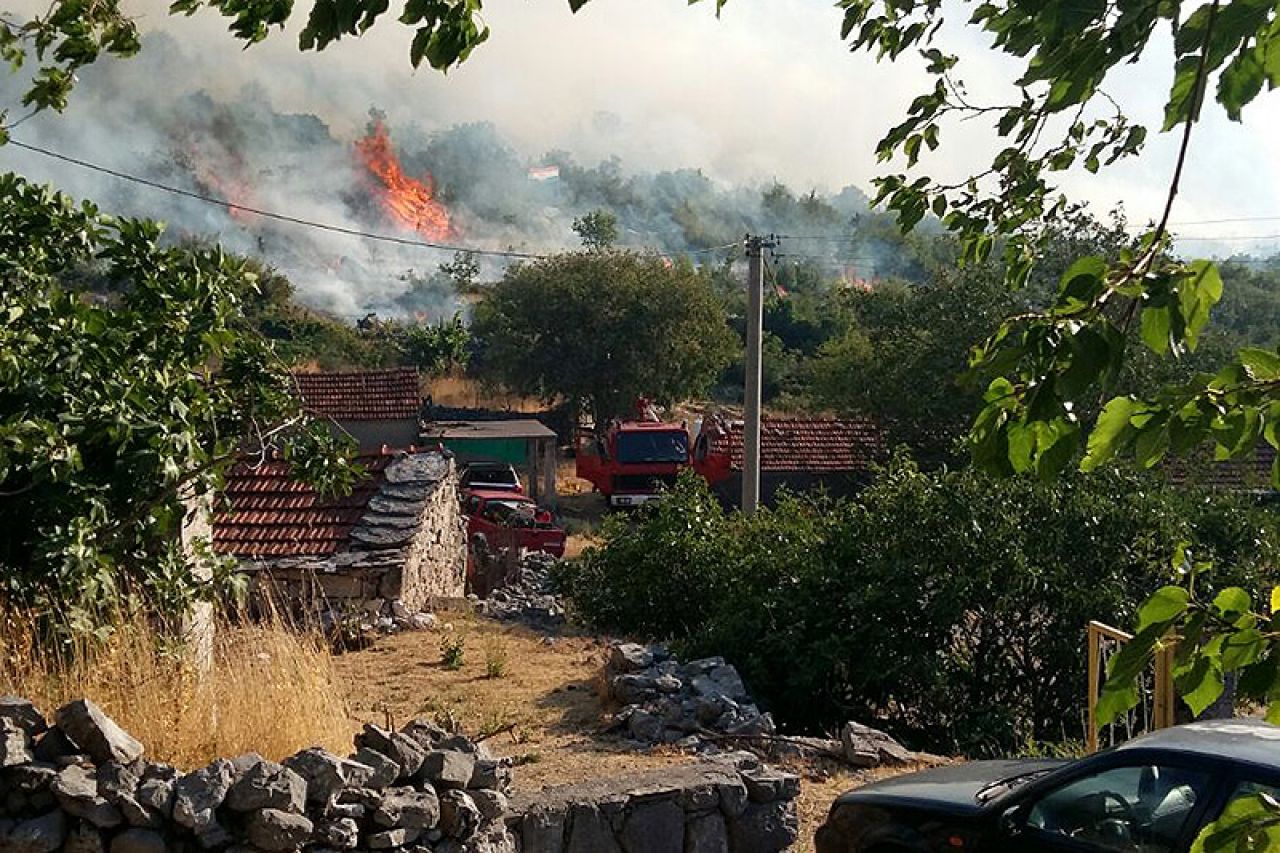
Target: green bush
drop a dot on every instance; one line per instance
(949, 606)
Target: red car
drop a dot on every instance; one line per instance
(497, 520)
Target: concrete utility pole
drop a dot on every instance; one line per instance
(751, 399)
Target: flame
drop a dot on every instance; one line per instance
(409, 201)
(220, 173)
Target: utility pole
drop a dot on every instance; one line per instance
(751, 400)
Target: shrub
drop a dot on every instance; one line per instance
(949, 606)
(453, 651)
(495, 658)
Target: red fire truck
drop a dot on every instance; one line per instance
(632, 461)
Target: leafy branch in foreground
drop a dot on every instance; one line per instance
(121, 406)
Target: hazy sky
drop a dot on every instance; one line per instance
(767, 91)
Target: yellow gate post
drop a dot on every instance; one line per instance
(1163, 704)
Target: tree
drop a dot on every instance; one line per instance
(599, 329)
(598, 229)
(436, 349)
(117, 408)
(1052, 365)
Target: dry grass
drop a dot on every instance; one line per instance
(546, 707)
(270, 689)
(464, 393)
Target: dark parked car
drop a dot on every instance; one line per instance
(1150, 795)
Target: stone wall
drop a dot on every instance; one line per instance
(80, 783)
(730, 805)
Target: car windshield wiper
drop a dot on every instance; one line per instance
(1004, 786)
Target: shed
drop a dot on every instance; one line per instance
(397, 536)
(527, 444)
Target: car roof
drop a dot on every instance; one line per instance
(489, 463)
(651, 426)
(498, 495)
(1243, 739)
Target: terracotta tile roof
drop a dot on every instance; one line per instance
(263, 512)
(366, 395)
(1249, 474)
(807, 444)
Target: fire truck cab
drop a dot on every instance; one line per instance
(633, 460)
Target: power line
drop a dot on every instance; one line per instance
(307, 223)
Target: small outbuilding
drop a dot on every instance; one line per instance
(398, 537)
(799, 454)
(525, 443)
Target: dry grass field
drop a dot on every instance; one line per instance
(546, 707)
(271, 689)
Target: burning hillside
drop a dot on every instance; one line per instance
(408, 201)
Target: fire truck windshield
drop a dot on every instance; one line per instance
(653, 447)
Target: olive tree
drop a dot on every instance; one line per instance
(599, 329)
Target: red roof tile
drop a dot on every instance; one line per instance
(264, 512)
(366, 395)
(809, 445)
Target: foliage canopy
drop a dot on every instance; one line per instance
(600, 329)
(118, 409)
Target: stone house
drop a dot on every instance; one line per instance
(399, 536)
(800, 454)
(375, 407)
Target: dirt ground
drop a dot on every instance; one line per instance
(545, 709)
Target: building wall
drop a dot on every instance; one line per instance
(371, 435)
(436, 561)
(511, 450)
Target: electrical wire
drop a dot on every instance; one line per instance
(307, 223)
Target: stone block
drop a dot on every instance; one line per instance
(654, 827)
(274, 829)
(590, 831)
(43, 834)
(542, 831)
(76, 789)
(764, 828)
(97, 734)
(706, 833)
(448, 768)
(268, 785)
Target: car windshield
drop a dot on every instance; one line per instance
(497, 474)
(1004, 786)
(650, 447)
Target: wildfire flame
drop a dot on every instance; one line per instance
(220, 173)
(409, 201)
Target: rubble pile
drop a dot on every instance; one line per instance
(81, 784)
(529, 598)
(665, 701)
(703, 705)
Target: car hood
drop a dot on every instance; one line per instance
(952, 788)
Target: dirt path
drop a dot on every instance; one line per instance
(546, 705)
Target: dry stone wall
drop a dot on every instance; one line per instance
(80, 783)
(731, 805)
